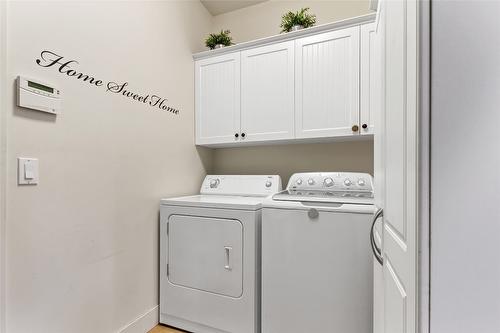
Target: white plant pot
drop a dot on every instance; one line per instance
(297, 27)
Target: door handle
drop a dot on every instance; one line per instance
(227, 250)
(377, 252)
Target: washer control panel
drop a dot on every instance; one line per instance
(331, 181)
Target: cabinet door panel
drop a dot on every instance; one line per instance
(217, 99)
(327, 84)
(267, 102)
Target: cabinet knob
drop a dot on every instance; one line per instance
(236, 135)
(365, 126)
(243, 135)
(355, 128)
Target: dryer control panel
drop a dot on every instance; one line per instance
(244, 185)
(331, 181)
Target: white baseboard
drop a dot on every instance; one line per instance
(144, 323)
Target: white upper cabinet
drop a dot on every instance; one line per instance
(217, 99)
(313, 84)
(327, 84)
(370, 78)
(267, 82)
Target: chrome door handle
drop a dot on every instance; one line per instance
(377, 252)
(227, 250)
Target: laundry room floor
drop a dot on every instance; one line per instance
(165, 329)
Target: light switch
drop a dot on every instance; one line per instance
(27, 171)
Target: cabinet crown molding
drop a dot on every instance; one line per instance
(358, 20)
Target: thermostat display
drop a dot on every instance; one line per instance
(36, 95)
(40, 87)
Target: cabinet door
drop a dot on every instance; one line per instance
(217, 99)
(267, 102)
(327, 84)
(370, 78)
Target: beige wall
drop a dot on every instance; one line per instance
(263, 20)
(82, 246)
(285, 160)
(3, 157)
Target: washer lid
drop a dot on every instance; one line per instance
(324, 206)
(347, 197)
(217, 201)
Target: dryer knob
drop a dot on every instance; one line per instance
(269, 183)
(347, 182)
(361, 182)
(214, 183)
(298, 181)
(310, 181)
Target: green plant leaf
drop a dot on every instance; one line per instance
(223, 38)
(301, 17)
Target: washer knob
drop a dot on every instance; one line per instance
(269, 183)
(214, 183)
(347, 182)
(298, 181)
(361, 182)
(310, 181)
(328, 182)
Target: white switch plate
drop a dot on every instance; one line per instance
(27, 171)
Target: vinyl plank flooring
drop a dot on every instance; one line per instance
(165, 329)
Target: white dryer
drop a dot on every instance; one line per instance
(316, 256)
(210, 255)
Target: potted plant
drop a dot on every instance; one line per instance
(216, 41)
(299, 20)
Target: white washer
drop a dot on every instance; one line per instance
(210, 255)
(316, 255)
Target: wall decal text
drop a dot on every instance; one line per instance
(64, 66)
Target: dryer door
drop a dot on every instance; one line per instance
(205, 253)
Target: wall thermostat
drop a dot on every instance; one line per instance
(37, 95)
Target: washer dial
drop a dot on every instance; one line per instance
(328, 182)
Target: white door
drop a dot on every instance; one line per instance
(370, 78)
(376, 108)
(327, 84)
(400, 162)
(217, 99)
(267, 103)
(205, 253)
